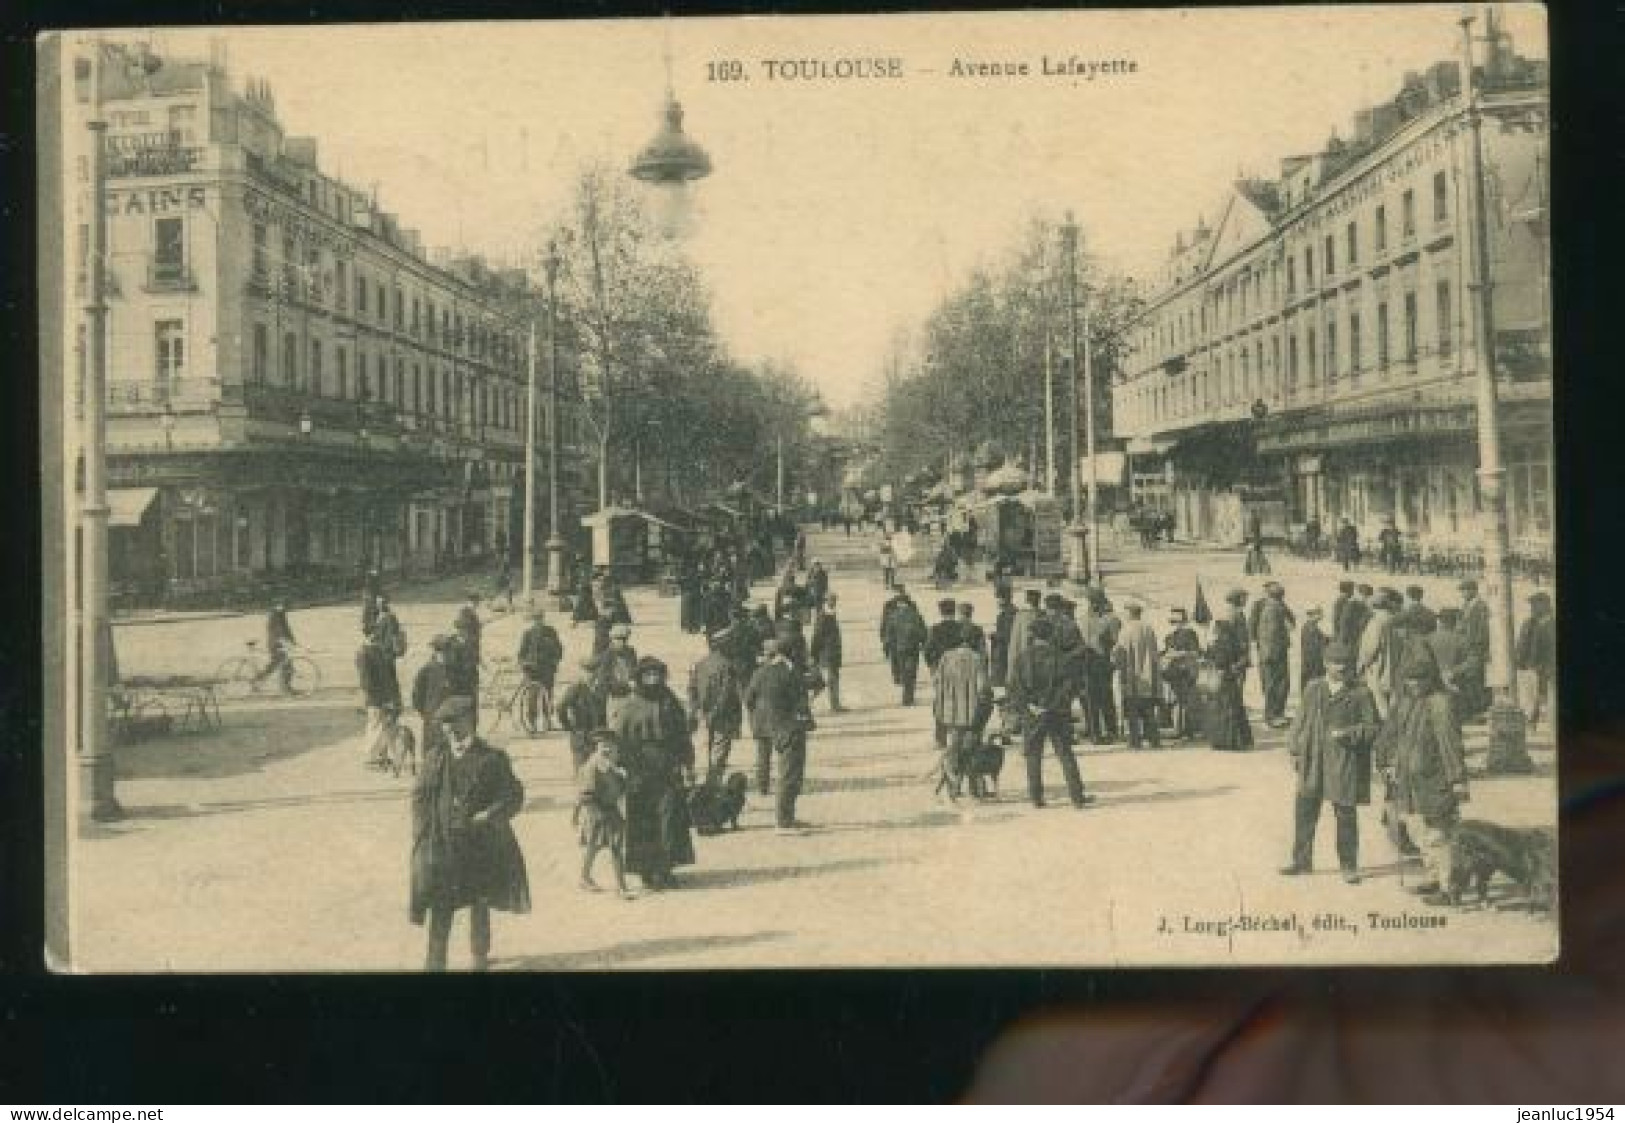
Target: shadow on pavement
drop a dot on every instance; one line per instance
(616, 955)
(249, 740)
(1175, 796)
(756, 875)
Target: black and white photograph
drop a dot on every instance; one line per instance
(1057, 489)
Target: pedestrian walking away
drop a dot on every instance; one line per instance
(540, 652)
(961, 694)
(902, 638)
(464, 853)
(826, 650)
(1139, 671)
(1040, 695)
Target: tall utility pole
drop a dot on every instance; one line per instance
(528, 561)
(1507, 751)
(1049, 398)
(97, 801)
(779, 488)
(1078, 530)
(555, 544)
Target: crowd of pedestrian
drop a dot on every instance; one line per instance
(1384, 683)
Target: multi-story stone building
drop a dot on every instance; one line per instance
(295, 385)
(1315, 346)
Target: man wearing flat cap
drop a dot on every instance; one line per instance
(464, 853)
(432, 686)
(1330, 743)
(713, 700)
(1419, 751)
(777, 700)
(1311, 649)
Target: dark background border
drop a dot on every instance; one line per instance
(750, 1036)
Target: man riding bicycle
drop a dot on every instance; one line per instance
(278, 642)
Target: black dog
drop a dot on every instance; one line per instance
(715, 804)
(1526, 855)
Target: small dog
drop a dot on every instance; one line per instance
(984, 763)
(713, 805)
(1527, 855)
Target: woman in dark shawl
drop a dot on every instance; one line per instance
(657, 753)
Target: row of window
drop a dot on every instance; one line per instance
(444, 392)
(1250, 292)
(1233, 373)
(421, 317)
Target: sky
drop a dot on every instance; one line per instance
(840, 211)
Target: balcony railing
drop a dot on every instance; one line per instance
(170, 276)
(127, 396)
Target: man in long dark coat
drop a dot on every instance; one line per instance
(1273, 634)
(432, 686)
(540, 652)
(1345, 593)
(657, 753)
(464, 853)
(825, 650)
(1472, 673)
(1311, 650)
(1330, 743)
(902, 636)
(1352, 620)
(1004, 623)
(1419, 751)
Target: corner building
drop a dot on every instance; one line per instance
(296, 386)
(1313, 351)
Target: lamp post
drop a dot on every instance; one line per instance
(167, 419)
(97, 801)
(1507, 750)
(555, 543)
(527, 561)
(1079, 531)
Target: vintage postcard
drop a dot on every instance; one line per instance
(1049, 489)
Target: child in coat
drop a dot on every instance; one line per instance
(599, 820)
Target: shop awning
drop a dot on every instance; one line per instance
(128, 505)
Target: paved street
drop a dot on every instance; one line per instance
(267, 846)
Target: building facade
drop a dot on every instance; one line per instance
(1312, 353)
(295, 386)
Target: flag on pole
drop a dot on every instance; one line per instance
(1201, 614)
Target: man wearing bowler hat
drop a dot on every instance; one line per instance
(1330, 743)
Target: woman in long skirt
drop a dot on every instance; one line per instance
(658, 753)
(1228, 730)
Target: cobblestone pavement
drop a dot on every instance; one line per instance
(266, 846)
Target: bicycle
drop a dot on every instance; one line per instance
(509, 692)
(243, 675)
(400, 749)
